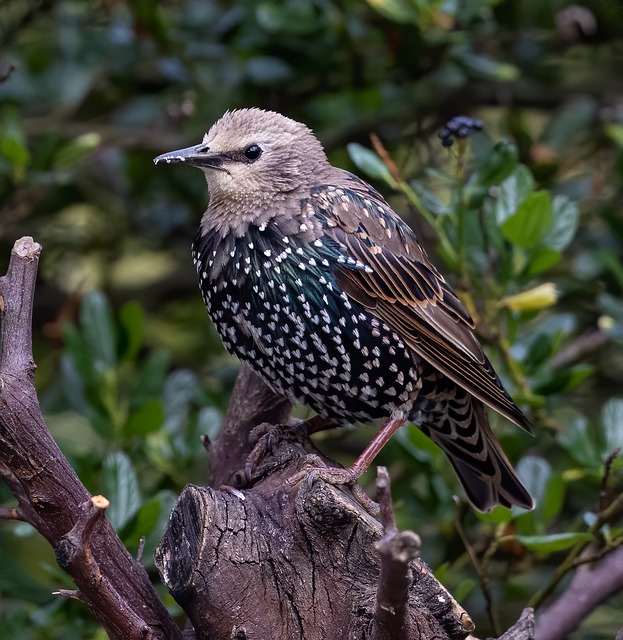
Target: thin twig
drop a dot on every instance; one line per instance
(393, 169)
(141, 548)
(384, 496)
(579, 349)
(603, 486)
(10, 514)
(397, 550)
(485, 583)
(608, 515)
(73, 594)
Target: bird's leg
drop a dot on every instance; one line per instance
(367, 456)
(350, 475)
(316, 424)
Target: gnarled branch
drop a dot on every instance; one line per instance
(113, 585)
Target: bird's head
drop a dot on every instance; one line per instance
(251, 156)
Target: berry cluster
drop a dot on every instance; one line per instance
(460, 127)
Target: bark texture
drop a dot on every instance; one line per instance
(113, 585)
(275, 561)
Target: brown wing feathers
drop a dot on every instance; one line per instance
(406, 291)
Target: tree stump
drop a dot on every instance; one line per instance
(297, 562)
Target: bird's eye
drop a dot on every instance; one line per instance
(253, 152)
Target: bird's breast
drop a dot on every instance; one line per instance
(276, 304)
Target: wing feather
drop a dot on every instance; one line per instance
(402, 288)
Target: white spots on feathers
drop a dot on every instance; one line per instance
(278, 308)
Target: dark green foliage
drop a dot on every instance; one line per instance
(131, 373)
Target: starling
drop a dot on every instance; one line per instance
(311, 278)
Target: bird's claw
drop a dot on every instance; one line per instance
(315, 469)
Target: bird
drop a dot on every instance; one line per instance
(311, 278)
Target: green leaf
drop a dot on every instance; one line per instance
(612, 261)
(534, 472)
(499, 164)
(150, 522)
(98, 329)
(73, 385)
(370, 163)
(76, 150)
(553, 542)
(543, 259)
(497, 515)
(576, 438)
(149, 381)
(430, 200)
(464, 589)
(615, 132)
(527, 227)
(565, 218)
(180, 389)
(396, 10)
(146, 518)
(132, 325)
(512, 193)
(120, 486)
(565, 380)
(12, 140)
(147, 419)
(612, 423)
(554, 497)
(483, 66)
(14, 151)
(573, 120)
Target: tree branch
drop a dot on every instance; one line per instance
(397, 550)
(50, 496)
(589, 588)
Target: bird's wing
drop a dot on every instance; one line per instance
(401, 287)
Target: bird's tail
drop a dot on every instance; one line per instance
(464, 434)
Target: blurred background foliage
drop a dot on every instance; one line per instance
(524, 217)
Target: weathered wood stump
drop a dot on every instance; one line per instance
(305, 561)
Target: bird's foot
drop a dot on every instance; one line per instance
(315, 469)
(266, 440)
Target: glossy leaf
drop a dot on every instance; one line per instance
(396, 10)
(570, 122)
(179, 392)
(145, 420)
(565, 219)
(76, 150)
(370, 163)
(132, 325)
(483, 66)
(543, 259)
(98, 329)
(498, 165)
(553, 542)
(553, 498)
(577, 438)
(615, 133)
(612, 424)
(531, 222)
(512, 193)
(534, 472)
(120, 486)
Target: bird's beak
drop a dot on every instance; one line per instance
(197, 156)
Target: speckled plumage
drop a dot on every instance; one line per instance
(311, 278)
